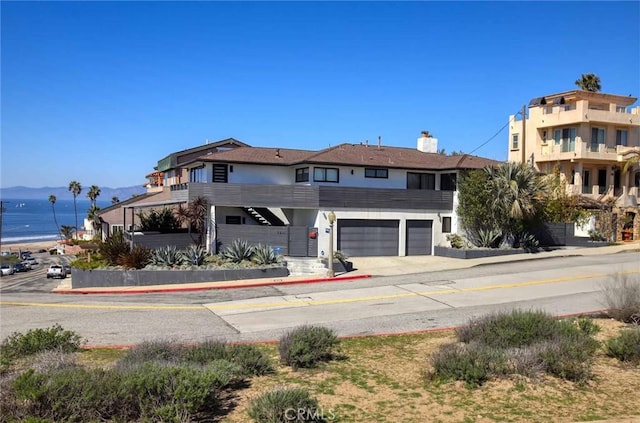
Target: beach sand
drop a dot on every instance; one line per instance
(34, 247)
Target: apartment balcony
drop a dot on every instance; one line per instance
(581, 151)
(312, 196)
(558, 116)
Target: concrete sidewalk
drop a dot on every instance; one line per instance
(364, 267)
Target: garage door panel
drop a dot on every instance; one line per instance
(419, 234)
(361, 237)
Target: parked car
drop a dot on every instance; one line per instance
(25, 254)
(6, 270)
(67, 268)
(31, 260)
(19, 267)
(27, 265)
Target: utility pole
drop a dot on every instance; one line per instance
(524, 134)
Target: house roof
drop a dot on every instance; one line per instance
(574, 95)
(349, 155)
(171, 160)
(128, 201)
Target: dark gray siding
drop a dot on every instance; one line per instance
(362, 238)
(315, 197)
(418, 241)
(287, 240)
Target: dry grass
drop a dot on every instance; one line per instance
(382, 380)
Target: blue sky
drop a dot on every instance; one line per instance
(100, 91)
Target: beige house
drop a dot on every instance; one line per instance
(588, 135)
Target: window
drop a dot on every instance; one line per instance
(302, 174)
(233, 220)
(421, 180)
(514, 142)
(621, 109)
(586, 179)
(376, 173)
(325, 174)
(566, 137)
(448, 182)
(597, 138)
(197, 175)
(621, 137)
(636, 180)
(446, 225)
(220, 173)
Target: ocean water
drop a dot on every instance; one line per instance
(32, 220)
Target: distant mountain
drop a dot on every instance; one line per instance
(63, 193)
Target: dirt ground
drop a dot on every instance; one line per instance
(385, 383)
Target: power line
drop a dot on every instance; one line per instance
(496, 134)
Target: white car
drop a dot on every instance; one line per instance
(6, 270)
(31, 260)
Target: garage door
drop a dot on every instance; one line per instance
(362, 238)
(419, 237)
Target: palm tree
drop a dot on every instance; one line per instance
(76, 189)
(195, 214)
(632, 157)
(589, 82)
(67, 232)
(114, 200)
(52, 200)
(96, 221)
(94, 192)
(517, 190)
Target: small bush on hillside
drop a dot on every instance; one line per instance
(47, 361)
(285, 405)
(626, 346)
(153, 351)
(82, 263)
(621, 295)
(474, 364)
(249, 358)
(307, 346)
(456, 241)
(38, 340)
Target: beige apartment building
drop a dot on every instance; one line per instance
(588, 135)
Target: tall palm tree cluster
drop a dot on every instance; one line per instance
(67, 231)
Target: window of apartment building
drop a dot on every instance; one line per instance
(597, 138)
(233, 220)
(569, 106)
(586, 182)
(566, 138)
(421, 180)
(370, 172)
(547, 110)
(302, 174)
(515, 141)
(636, 180)
(621, 137)
(197, 174)
(325, 174)
(621, 109)
(220, 173)
(446, 225)
(448, 182)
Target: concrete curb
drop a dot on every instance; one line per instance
(203, 286)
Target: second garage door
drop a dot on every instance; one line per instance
(362, 237)
(419, 237)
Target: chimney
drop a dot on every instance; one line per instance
(379, 142)
(427, 143)
(278, 153)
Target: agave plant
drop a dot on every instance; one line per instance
(194, 254)
(264, 255)
(486, 238)
(238, 251)
(167, 256)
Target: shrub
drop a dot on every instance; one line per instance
(485, 237)
(114, 247)
(622, 297)
(526, 240)
(162, 221)
(513, 329)
(456, 241)
(473, 364)
(596, 235)
(51, 360)
(306, 346)
(264, 255)
(153, 351)
(137, 258)
(97, 262)
(626, 346)
(167, 256)
(249, 358)
(38, 340)
(569, 357)
(285, 404)
(238, 251)
(194, 254)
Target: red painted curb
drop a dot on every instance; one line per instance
(205, 288)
